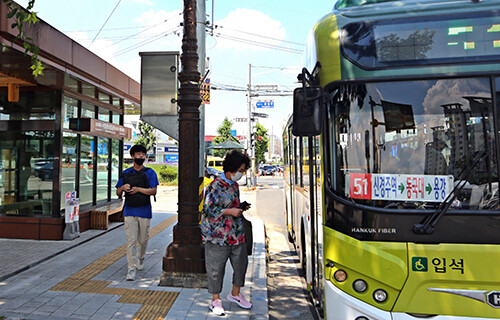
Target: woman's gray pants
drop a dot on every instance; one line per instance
(215, 262)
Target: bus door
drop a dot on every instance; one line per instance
(289, 172)
(294, 163)
(317, 218)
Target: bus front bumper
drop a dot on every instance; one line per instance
(341, 306)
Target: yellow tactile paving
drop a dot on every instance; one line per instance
(155, 304)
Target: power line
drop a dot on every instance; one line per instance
(153, 38)
(146, 29)
(261, 36)
(260, 44)
(92, 30)
(105, 22)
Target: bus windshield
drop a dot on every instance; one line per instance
(407, 144)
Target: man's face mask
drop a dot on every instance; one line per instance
(139, 161)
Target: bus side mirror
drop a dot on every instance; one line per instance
(307, 111)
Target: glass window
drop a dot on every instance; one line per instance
(116, 118)
(305, 162)
(68, 165)
(86, 169)
(88, 90)
(411, 149)
(70, 82)
(102, 168)
(70, 110)
(103, 114)
(26, 172)
(464, 37)
(31, 106)
(88, 110)
(115, 162)
(116, 101)
(103, 97)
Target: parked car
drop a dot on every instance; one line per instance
(215, 162)
(266, 170)
(212, 173)
(45, 172)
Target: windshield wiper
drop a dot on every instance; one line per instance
(428, 224)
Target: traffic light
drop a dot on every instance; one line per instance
(252, 139)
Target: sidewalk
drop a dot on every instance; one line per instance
(85, 278)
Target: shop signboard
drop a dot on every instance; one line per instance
(100, 128)
(172, 159)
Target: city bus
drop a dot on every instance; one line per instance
(391, 161)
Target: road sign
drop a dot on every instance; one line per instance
(259, 115)
(265, 104)
(265, 87)
(240, 119)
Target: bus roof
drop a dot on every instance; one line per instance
(354, 3)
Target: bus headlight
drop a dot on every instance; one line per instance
(340, 275)
(359, 285)
(380, 295)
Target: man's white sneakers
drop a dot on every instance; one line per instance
(130, 274)
(140, 264)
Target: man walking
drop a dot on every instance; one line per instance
(139, 184)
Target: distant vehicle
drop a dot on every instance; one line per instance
(215, 162)
(266, 170)
(212, 173)
(45, 172)
(37, 163)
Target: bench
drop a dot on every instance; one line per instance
(99, 216)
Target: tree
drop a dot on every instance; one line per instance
(261, 143)
(21, 16)
(224, 132)
(146, 137)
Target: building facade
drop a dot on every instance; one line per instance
(59, 132)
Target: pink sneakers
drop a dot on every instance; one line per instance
(216, 307)
(240, 300)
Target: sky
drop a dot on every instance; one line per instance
(268, 34)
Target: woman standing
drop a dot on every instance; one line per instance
(223, 233)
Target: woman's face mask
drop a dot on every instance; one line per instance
(237, 176)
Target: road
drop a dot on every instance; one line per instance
(288, 298)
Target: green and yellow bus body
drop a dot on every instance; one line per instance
(394, 204)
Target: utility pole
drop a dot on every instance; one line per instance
(250, 147)
(184, 258)
(201, 37)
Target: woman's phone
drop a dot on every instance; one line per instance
(244, 205)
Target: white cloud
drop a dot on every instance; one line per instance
(155, 30)
(248, 29)
(452, 91)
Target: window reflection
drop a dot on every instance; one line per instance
(68, 166)
(115, 159)
(103, 114)
(102, 168)
(88, 110)
(26, 172)
(70, 110)
(422, 129)
(31, 106)
(86, 169)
